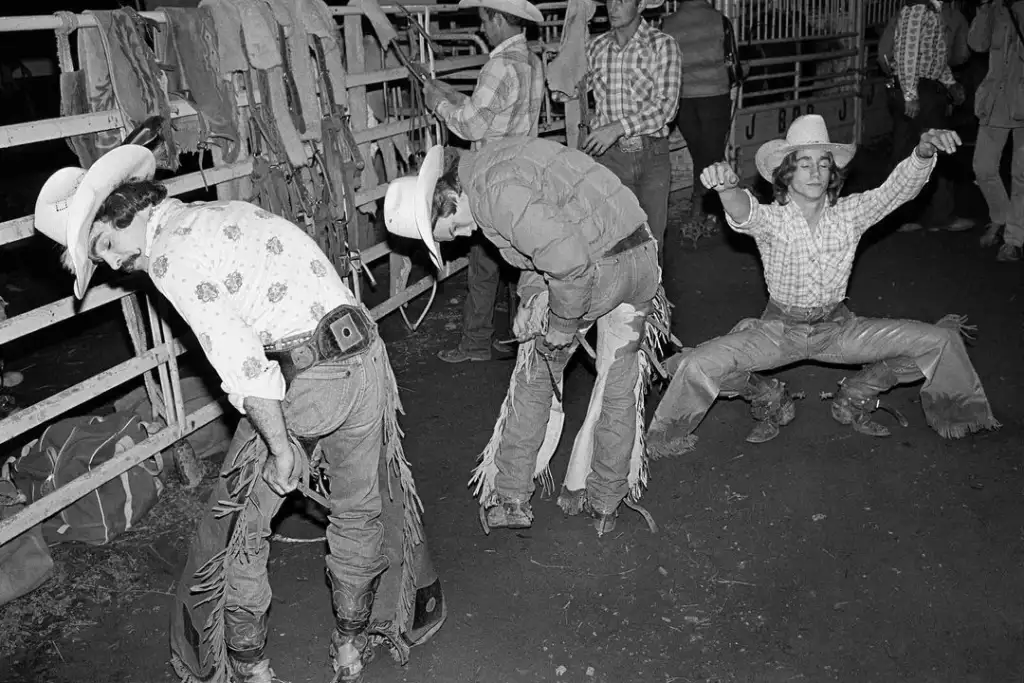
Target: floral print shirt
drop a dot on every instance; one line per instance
(242, 278)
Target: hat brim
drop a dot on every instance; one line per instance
(124, 164)
(770, 155)
(523, 10)
(426, 180)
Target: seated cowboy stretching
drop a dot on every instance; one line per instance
(588, 256)
(807, 239)
(301, 359)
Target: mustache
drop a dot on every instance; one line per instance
(129, 264)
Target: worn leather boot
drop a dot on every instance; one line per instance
(350, 650)
(246, 635)
(856, 412)
(772, 407)
(501, 512)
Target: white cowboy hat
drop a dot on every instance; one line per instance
(519, 8)
(69, 200)
(806, 132)
(409, 200)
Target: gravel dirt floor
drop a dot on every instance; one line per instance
(823, 555)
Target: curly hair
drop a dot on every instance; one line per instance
(783, 176)
(121, 206)
(128, 199)
(448, 188)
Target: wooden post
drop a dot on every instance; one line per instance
(355, 55)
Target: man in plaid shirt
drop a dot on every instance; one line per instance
(807, 239)
(924, 86)
(505, 103)
(635, 72)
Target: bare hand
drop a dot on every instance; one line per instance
(553, 341)
(719, 177)
(933, 140)
(433, 94)
(911, 108)
(600, 139)
(958, 94)
(280, 471)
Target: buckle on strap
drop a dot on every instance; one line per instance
(344, 332)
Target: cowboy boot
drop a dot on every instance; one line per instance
(772, 407)
(350, 650)
(502, 512)
(855, 411)
(246, 635)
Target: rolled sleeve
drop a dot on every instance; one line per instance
(757, 222)
(553, 243)
(866, 209)
(232, 347)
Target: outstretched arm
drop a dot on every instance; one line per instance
(737, 203)
(903, 184)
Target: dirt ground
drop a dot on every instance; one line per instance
(823, 555)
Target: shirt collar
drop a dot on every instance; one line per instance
(508, 43)
(640, 36)
(159, 218)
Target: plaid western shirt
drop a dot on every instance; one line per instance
(921, 50)
(811, 268)
(507, 99)
(637, 84)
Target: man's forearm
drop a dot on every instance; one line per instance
(736, 203)
(267, 417)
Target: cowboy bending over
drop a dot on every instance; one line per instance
(588, 256)
(301, 359)
(807, 239)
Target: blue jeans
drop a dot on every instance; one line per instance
(898, 351)
(624, 287)
(345, 404)
(648, 173)
(483, 275)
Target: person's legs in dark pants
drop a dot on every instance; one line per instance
(704, 123)
(483, 276)
(935, 206)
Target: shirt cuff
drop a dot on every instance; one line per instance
(920, 163)
(567, 325)
(269, 385)
(751, 217)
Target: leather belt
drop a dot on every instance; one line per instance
(637, 143)
(640, 236)
(343, 333)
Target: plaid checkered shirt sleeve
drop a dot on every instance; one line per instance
(921, 50)
(808, 268)
(637, 84)
(505, 103)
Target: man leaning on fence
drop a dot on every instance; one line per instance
(505, 103)
(301, 359)
(635, 72)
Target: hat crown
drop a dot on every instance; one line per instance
(54, 203)
(809, 129)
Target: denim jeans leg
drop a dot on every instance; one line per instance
(526, 423)
(615, 433)
(753, 345)
(352, 455)
(483, 274)
(988, 151)
(655, 179)
(952, 396)
(1014, 233)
